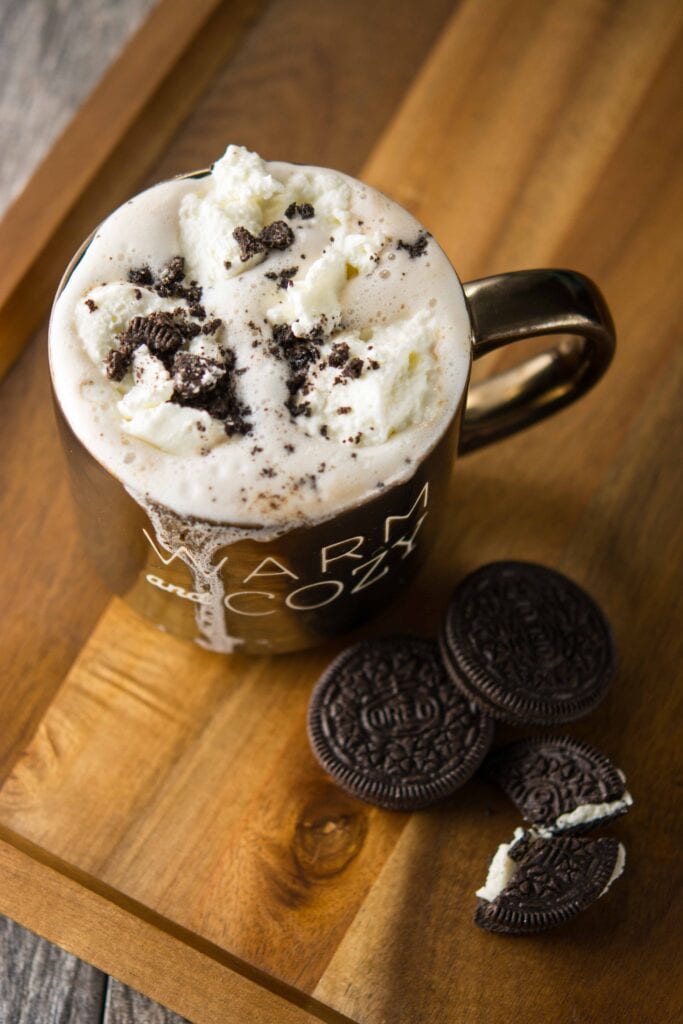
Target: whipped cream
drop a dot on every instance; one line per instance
(343, 354)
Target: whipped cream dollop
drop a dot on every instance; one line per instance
(264, 343)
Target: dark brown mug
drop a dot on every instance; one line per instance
(268, 593)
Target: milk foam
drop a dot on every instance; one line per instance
(405, 314)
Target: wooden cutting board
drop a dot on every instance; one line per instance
(160, 812)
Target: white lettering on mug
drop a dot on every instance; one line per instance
(260, 571)
(408, 543)
(172, 588)
(337, 586)
(326, 559)
(182, 553)
(229, 598)
(421, 500)
(312, 595)
(370, 576)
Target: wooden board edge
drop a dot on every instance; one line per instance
(122, 122)
(141, 948)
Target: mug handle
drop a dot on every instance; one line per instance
(524, 304)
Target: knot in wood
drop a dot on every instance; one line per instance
(326, 840)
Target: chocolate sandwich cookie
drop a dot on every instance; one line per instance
(559, 784)
(527, 644)
(553, 882)
(386, 722)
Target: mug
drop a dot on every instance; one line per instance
(265, 591)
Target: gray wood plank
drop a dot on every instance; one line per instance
(52, 54)
(125, 1006)
(41, 984)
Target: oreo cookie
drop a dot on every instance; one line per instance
(527, 644)
(553, 882)
(386, 722)
(560, 785)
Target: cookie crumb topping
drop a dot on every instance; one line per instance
(416, 248)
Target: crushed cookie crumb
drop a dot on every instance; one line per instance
(269, 472)
(339, 355)
(299, 352)
(212, 326)
(353, 368)
(304, 210)
(289, 448)
(205, 384)
(277, 235)
(283, 277)
(249, 244)
(159, 331)
(117, 364)
(416, 248)
(92, 306)
(141, 275)
(193, 375)
(344, 410)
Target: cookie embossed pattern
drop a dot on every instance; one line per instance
(553, 882)
(393, 723)
(528, 644)
(560, 784)
(388, 725)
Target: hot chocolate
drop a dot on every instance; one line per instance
(265, 345)
(252, 351)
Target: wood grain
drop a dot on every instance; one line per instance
(41, 983)
(185, 972)
(170, 797)
(125, 1006)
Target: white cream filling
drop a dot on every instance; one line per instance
(619, 865)
(585, 814)
(501, 869)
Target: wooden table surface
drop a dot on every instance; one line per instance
(160, 813)
(49, 61)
